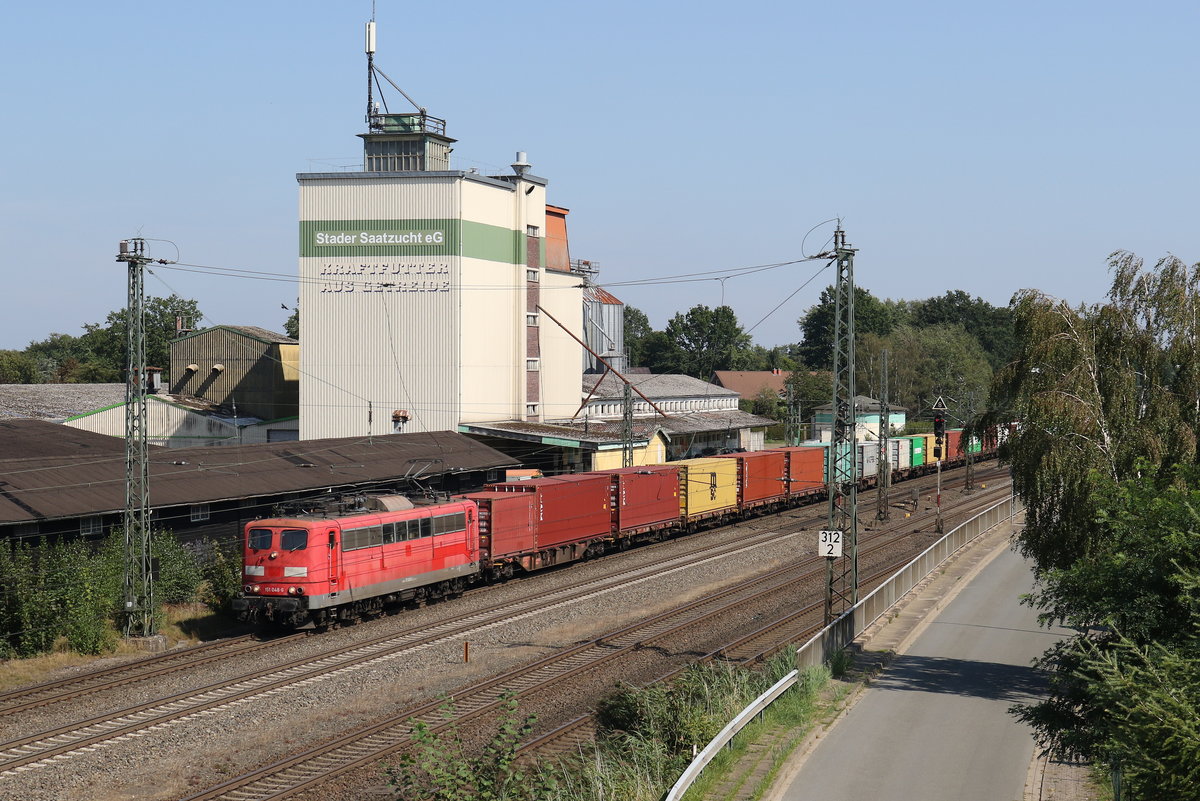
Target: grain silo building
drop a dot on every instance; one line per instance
(420, 290)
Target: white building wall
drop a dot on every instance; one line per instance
(560, 353)
(437, 330)
(381, 323)
(493, 347)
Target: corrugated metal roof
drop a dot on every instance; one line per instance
(57, 487)
(57, 401)
(252, 331)
(608, 432)
(748, 383)
(592, 433)
(658, 385)
(23, 438)
(863, 405)
(699, 422)
(592, 292)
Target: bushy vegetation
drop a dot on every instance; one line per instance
(70, 593)
(1106, 462)
(645, 740)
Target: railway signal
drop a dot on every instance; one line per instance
(939, 427)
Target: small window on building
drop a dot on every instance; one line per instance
(531, 409)
(531, 318)
(533, 230)
(199, 512)
(532, 275)
(91, 526)
(533, 364)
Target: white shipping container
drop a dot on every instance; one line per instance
(900, 453)
(868, 458)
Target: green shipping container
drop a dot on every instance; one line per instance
(918, 450)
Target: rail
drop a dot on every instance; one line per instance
(841, 632)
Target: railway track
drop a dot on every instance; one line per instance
(116, 677)
(300, 772)
(47, 747)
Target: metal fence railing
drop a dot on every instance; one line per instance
(841, 632)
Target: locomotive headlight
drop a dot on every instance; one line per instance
(274, 554)
(248, 589)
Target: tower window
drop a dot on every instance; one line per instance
(533, 230)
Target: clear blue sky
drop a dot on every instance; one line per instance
(983, 147)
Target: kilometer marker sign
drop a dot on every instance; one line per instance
(830, 543)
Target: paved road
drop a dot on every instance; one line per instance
(934, 726)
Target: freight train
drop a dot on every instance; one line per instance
(313, 571)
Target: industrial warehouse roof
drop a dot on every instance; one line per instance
(588, 436)
(34, 438)
(594, 435)
(46, 487)
(748, 383)
(864, 405)
(252, 331)
(657, 385)
(56, 401)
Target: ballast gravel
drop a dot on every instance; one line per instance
(178, 759)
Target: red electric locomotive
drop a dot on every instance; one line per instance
(307, 572)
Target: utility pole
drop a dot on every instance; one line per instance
(841, 579)
(139, 580)
(627, 428)
(882, 510)
(969, 485)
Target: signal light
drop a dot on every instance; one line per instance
(939, 425)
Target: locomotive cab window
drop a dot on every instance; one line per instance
(293, 539)
(260, 539)
(449, 523)
(426, 527)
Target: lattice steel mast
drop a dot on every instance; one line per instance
(139, 581)
(883, 510)
(841, 573)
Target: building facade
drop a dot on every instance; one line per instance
(425, 293)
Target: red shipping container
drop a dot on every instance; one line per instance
(953, 444)
(507, 521)
(644, 498)
(573, 508)
(806, 469)
(761, 476)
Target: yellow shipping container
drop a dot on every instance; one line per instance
(707, 486)
(929, 458)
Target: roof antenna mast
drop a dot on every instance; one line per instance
(370, 48)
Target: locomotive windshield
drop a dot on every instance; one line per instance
(294, 539)
(260, 539)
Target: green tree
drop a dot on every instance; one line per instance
(637, 329)
(1108, 399)
(291, 326)
(991, 325)
(707, 340)
(107, 341)
(924, 363)
(871, 316)
(17, 367)
(60, 358)
(661, 354)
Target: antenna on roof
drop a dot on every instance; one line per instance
(370, 48)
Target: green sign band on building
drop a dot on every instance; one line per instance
(426, 237)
